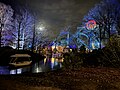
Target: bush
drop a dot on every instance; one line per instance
(111, 52)
(72, 60)
(105, 57)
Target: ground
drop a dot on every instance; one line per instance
(67, 79)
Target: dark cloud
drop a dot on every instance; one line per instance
(60, 13)
(56, 14)
(61, 9)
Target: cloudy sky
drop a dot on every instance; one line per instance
(57, 14)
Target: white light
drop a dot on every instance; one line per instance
(19, 71)
(12, 71)
(41, 28)
(38, 69)
(93, 45)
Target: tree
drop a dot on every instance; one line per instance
(40, 38)
(107, 16)
(82, 49)
(24, 28)
(110, 54)
(6, 25)
(28, 36)
(28, 28)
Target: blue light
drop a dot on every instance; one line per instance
(72, 46)
(30, 46)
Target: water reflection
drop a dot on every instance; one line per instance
(38, 67)
(52, 63)
(16, 71)
(20, 70)
(42, 66)
(4, 70)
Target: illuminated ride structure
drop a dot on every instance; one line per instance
(90, 35)
(87, 36)
(62, 41)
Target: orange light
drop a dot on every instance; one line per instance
(91, 24)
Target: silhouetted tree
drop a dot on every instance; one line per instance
(107, 16)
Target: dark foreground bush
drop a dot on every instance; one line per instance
(105, 57)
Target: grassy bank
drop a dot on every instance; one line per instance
(72, 79)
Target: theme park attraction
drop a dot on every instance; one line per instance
(87, 35)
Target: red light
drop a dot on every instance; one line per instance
(91, 24)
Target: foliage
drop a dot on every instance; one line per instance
(24, 27)
(73, 60)
(107, 16)
(6, 25)
(82, 49)
(112, 50)
(105, 57)
(19, 31)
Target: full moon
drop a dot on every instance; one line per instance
(41, 28)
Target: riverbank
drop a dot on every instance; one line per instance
(72, 79)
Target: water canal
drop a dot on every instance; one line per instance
(44, 65)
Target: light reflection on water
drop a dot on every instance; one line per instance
(4, 70)
(52, 63)
(42, 66)
(20, 70)
(16, 71)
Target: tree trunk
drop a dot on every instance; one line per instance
(1, 34)
(33, 41)
(18, 37)
(100, 31)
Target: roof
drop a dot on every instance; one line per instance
(20, 55)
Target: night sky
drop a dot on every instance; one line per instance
(57, 14)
